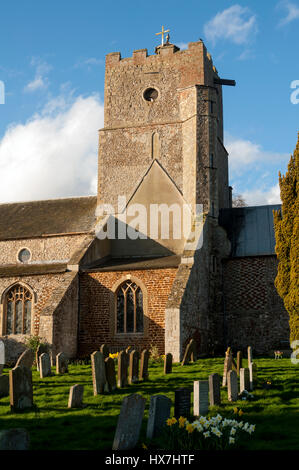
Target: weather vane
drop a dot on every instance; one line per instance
(162, 35)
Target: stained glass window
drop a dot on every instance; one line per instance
(129, 314)
(18, 310)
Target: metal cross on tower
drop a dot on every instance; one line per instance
(162, 34)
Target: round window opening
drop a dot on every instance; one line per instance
(24, 255)
(151, 94)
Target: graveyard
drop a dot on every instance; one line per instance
(272, 406)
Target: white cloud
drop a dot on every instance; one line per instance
(54, 154)
(258, 197)
(292, 12)
(236, 24)
(40, 80)
(182, 45)
(88, 63)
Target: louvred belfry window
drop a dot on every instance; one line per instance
(129, 308)
(18, 311)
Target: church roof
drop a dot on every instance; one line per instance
(128, 264)
(250, 229)
(48, 217)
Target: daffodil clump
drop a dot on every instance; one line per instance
(205, 433)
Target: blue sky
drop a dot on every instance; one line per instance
(52, 59)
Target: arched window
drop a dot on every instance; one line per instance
(18, 306)
(129, 308)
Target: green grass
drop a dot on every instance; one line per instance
(52, 426)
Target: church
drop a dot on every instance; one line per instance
(65, 278)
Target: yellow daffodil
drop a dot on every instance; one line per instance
(189, 428)
(182, 421)
(144, 446)
(235, 411)
(241, 413)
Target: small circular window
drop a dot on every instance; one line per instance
(24, 255)
(150, 94)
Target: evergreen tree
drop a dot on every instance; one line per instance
(286, 223)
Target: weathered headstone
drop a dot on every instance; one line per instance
(159, 412)
(227, 366)
(200, 397)
(2, 355)
(214, 389)
(239, 362)
(61, 363)
(249, 353)
(129, 423)
(168, 363)
(44, 365)
(4, 386)
(42, 348)
(26, 359)
(182, 402)
(14, 439)
(143, 373)
(133, 367)
(252, 375)
(98, 372)
(122, 369)
(232, 386)
(110, 375)
(76, 396)
(104, 350)
(20, 388)
(244, 379)
(190, 353)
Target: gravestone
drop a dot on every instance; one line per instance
(190, 353)
(44, 365)
(214, 389)
(26, 359)
(244, 379)
(129, 423)
(239, 362)
(14, 439)
(168, 363)
(104, 350)
(76, 396)
(61, 363)
(252, 375)
(110, 375)
(143, 373)
(249, 353)
(122, 369)
(42, 348)
(232, 386)
(20, 388)
(159, 412)
(98, 372)
(133, 367)
(228, 361)
(2, 355)
(4, 386)
(182, 402)
(200, 397)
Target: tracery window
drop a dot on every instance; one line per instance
(129, 308)
(18, 306)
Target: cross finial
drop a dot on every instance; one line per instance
(162, 34)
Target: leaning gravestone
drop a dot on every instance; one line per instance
(2, 355)
(26, 359)
(244, 380)
(252, 375)
(133, 367)
(76, 396)
(104, 350)
(98, 372)
(249, 353)
(168, 363)
(129, 423)
(61, 363)
(239, 362)
(190, 353)
(42, 348)
(14, 439)
(143, 373)
(44, 365)
(20, 388)
(201, 397)
(182, 402)
(110, 375)
(214, 389)
(228, 362)
(4, 386)
(122, 369)
(232, 386)
(159, 412)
